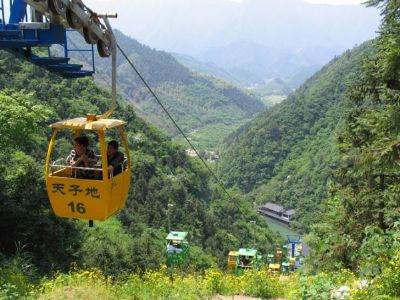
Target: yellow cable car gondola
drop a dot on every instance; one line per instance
(93, 192)
(99, 197)
(232, 258)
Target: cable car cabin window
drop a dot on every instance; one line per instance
(76, 155)
(174, 247)
(117, 161)
(245, 261)
(62, 145)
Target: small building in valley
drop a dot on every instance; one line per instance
(276, 212)
(191, 153)
(208, 155)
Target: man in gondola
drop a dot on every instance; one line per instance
(115, 158)
(82, 157)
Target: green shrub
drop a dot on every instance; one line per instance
(390, 278)
(77, 285)
(385, 286)
(108, 247)
(321, 285)
(16, 276)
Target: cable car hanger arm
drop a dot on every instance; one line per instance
(113, 46)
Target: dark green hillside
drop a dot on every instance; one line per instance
(30, 99)
(205, 68)
(198, 102)
(285, 155)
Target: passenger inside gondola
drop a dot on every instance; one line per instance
(115, 158)
(174, 247)
(244, 261)
(82, 158)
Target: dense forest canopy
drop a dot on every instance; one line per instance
(360, 226)
(30, 100)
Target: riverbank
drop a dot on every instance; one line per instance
(279, 227)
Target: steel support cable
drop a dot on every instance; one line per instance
(219, 181)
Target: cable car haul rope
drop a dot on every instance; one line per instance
(83, 185)
(219, 182)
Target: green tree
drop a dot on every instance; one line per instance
(108, 247)
(357, 223)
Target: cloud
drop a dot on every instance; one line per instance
(336, 2)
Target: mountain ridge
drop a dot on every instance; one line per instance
(197, 102)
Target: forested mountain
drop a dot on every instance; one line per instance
(31, 99)
(199, 103)
(331, 151)
(275, 86)
(255, 63)
(285, 155)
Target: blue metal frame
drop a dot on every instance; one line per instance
(67, 50)
(20, 41)
(293, 240)
(17, 11)
(3, 16)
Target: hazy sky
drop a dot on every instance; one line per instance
(336, 2)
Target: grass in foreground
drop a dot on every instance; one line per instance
(158, 285)
(92, 284)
